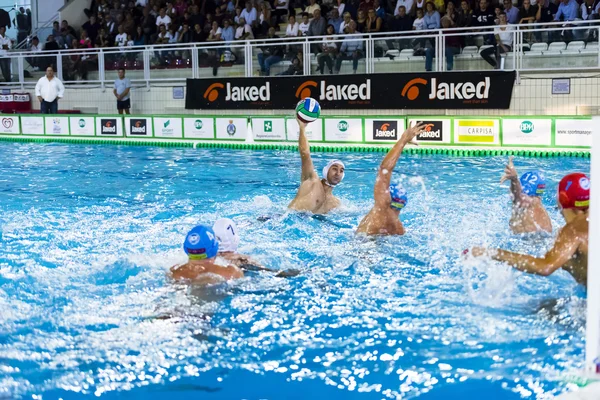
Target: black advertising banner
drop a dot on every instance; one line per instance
(446, 90)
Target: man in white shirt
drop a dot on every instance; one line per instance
(121, 38)
(249, 14)
(36, 47)
(243, 31)
(48, 90)
(5, 45)
(163, 18)
(408, 4)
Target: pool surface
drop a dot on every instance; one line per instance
(88, 234)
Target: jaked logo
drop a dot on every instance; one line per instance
(108, 126)
(198, 124)
(137, 126)
(385, 130)
(342, 126)
(447, 91)
(526, 127)
(82, 123)
(239, 93)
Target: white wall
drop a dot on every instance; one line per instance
(45, 9)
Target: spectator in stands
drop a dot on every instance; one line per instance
(36, 47)
(215, 33)
(568, 11)
(281, 9)
(589, 10)
(110, 26)
(453, 45)
(335, 20)
(170, 11)
(219, 16)
(465, 15)
(484, 17)
(51, 44)
(84, 40)
(401, 22)
(361, 22)
(431, 17)
(56, 34)
(163, 35)
(228, 34)
(48, 90)
(264, 18)
(351, 49)
(451, 12)
(181, 7)
(341, 7)
(318, 24)
(344, 25)
(185, 36)
(329, 50)
(238, 15)
(196, 17)
(148, 24)
(304, 25)
(92, 27)
(504, 39)
(497, 11)
(5, 45)
(379, 10)
(292, 27)
(409, 7)
(365, 5)
(529, 14)
(250, 15)
(512, 13)
(22, 25)
(163, 18)
(121, 38)
(103, 39)
(419, 22)
(243, 31)
(129, 23)
(140, 38)
(197, 34)
(270, 55)
(296, 68)
(374, 23)
(116, 10)
(310, 9)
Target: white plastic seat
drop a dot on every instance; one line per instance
(550, 53)
(533, 54)
(577, 45)
(592, 46)
(407, 53)
(392, 52)
(470, 50)
(524, 47)
(557, 46)
(539, 47)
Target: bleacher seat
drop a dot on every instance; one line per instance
(470, 50)
(591, 48)
(576, 45)
(392, 53)
(557, 46)
(407, 53)
(524, 47)
(534, 54)
(537, 47)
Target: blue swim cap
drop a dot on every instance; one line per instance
(398, 195)
(533, 183)
(201, 243)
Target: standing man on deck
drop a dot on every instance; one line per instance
(316, 194)
(389, 199)
(570, 249)
(528, 213)
(121, 92)
(48, 90)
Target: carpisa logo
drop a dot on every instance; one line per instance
(526, 127)
(342, 126)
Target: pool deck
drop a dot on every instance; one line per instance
(590, 392)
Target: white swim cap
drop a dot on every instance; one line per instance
(227, 235)
(329, 164)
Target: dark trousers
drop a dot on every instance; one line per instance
(5, 67)
(497, 50)
(49, 107)
(355, 56)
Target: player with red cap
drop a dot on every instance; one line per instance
(570, 249)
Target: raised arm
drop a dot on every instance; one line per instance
(564, 248)
(510, 173)
(308, 168)
(384, 175)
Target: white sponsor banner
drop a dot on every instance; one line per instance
(109, 126)
(574, 132)
(436, 131)
(32, 125)
(383, 130)
(138, 126)
(166, 127)
(313, 132)
(6, 98)
(268, 129)
(82, 126)
(9, 124)
(57, 125)
(199, 128)
(232, 128)
(477, 131)
(343, 130)
(528, 131)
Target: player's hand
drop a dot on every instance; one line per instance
(409, 135)
(509, 171)
(301, 125)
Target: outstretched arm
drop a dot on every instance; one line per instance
(384, 175)
(564, 248)
(308, 168)
(510, 173)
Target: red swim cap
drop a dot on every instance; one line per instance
(574, 191)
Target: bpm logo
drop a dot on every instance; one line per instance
(385, 130)
(108, 126)
(342, 126)
(411, 90)
(137, 126)
(7, 123)
(231, 128)
(81, 123)
(526, 127)
(198, 124)
(433, 131)
(238, 93)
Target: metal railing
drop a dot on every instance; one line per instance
(381, 52)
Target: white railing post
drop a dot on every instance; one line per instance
(101, 68)
(442, 53)
(195, 66)
(59, 69)
(20, 66)
(146, 58)
(248, 59)
(306, 58)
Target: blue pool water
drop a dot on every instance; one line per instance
(86, 308)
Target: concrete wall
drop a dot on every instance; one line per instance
(530, 97)
(73, 12)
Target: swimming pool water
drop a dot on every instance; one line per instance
(86, 308)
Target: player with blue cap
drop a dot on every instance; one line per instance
(202, 247)
(390, 198)
(528, 212)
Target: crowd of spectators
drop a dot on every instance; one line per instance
(127, 23)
